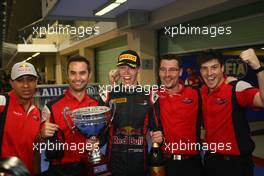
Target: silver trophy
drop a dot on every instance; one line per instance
(92, 122)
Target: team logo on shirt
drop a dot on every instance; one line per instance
(128, 131)
(220, 101)
(35, 117)
(141, 102)
(187, 100)
(17, 113)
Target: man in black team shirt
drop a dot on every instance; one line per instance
(134, 110)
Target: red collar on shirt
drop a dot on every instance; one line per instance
(16, 99)
(70, 97)
(205, 89)
(166, 93)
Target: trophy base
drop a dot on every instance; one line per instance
(97, 168)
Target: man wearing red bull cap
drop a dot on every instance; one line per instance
(19, 118)
(134, 111)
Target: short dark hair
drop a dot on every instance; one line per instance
(208, 55)
(171, 57)
(78, 58)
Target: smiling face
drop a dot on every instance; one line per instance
(24, 87)
(78, 76)
(169, 73)
(128, 75)
(212, 73)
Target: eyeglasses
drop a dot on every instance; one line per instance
(170, 70)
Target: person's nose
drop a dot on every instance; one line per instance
(78, 77)
(25, 83)
(167, 72)
(126, 71)
(209, 72)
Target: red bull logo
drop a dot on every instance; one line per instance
(24, 67)
(129, 131)
(128, 140)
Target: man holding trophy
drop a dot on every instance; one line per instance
(61, 121)
(134, 115)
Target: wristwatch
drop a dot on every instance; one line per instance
(261, 68)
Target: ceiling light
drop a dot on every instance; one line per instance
(27, 59)
(262, 48)
(107, 7)
(36, 54)
(120, 1)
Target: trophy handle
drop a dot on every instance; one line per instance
(66, 111)
(112, 106)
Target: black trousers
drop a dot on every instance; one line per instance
(186, 167)
(228, 165)
(71, 169)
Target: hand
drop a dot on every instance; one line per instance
(156, 137)
(249, 57)
(113, 76)
(48, 129)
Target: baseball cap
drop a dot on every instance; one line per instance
(21, 69)
(130, 58)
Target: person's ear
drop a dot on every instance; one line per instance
(90, 76)
(140, 69)
(67, 76)
(11, 82)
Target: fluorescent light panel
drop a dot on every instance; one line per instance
(31, 57)
(27, 59)
(120, 1)
(109, 7)
(36, 54)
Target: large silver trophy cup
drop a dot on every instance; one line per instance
(92, 122)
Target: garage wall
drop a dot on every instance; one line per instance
(106, 58)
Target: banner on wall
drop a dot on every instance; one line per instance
(46, 93)
(234, 66)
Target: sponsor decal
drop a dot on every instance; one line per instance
(220, 101)
(120, 100)
(127, 57)
(187, 100)
(128, 140)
